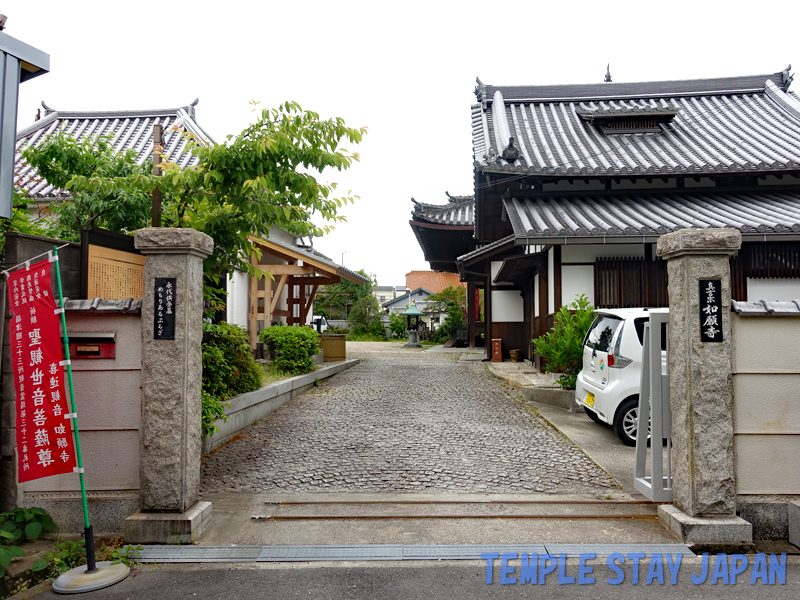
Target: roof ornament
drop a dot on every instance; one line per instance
(490, 156)
(479, 89)
(607, 78)
(511, 152)
(47, 109)
(3, 20)
(787, 78)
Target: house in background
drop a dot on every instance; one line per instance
(433, 281)
(385, 293)
(575, 183)
(296, 269)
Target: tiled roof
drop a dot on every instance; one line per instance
(459, 210)
(640, 214)
(131, 130)
(729, 125)
(766, 308)
(433, 281)
(487, 249)
(319, 256)
(404, 298)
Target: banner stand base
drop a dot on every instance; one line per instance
(77, 580)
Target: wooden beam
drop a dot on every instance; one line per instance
(252, 327)
(273, 303)
(287, 269)
(308, 304)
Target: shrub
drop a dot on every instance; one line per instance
(562, 347)
(452, 323)
(228, 370)
(291, 348)
(20, 524)
(398, 325)
(366, 317)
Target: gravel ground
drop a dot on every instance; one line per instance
(404, 421)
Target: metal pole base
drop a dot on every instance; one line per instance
(77, 580)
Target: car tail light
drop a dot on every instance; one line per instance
(618, 362)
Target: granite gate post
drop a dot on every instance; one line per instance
(171, 383)
(704, 485)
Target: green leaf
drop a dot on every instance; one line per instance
(39, 565)
(16, 551)
(32, 530)
(7, 535)
(5, 556)
(8, 526)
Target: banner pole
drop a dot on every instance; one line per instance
(88, 534)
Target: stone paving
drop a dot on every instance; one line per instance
(404, 421)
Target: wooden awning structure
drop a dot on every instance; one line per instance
(303, 269)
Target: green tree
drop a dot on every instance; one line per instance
(61, 158)
(398, 325)
(366, 316)
(340, 297)
(437, 303)
(266, 177)
(20, 221)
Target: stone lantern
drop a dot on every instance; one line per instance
(412, 311)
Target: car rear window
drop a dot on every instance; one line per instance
(602, 332)
(639, 324)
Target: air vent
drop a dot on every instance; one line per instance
(630, 120)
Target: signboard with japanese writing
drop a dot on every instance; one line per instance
(710, 310)
(164, 317)
(45, 445)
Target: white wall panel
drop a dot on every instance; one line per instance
(507, 307)
(577, 280)
(773, 289)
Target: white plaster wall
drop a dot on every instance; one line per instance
(108, 401)
(765, 364)
(773, 289)
(577, 280)
(588, 253)
(495, 269)
(507, 307)
(767, 464)
(765, 344)
(238, 303)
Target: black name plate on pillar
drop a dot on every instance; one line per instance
(164, 316)
(710, 310)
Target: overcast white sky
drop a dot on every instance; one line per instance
(405, 70)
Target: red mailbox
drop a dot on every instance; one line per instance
(497, 350)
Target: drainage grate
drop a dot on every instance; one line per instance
(312, 553)
(603, 550)
(369, 552)
(464, 552)
(183, 554)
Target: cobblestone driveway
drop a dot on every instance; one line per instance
(404, 421)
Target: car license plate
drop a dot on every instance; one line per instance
(590, 400)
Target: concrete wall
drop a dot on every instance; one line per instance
(108, 400)
(765, 361)
(247, 409)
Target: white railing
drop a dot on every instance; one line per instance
(654, 408)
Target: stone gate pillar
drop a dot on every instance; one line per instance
(704, 486)
(171, 437)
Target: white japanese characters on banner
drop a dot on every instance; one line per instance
(45, 445)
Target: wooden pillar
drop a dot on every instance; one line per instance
(542, 321)
(557, 300)
(487, 312)
(471, 289)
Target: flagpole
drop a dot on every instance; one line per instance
(88, 534)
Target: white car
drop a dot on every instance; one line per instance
(319, 323)
(608, 384)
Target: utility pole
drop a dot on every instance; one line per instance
(157, 151)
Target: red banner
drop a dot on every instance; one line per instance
(45, 445)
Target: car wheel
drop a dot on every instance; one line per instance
(592, 415)
(626, 421)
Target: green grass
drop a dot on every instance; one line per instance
(364, 337)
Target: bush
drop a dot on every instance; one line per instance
(562, 347)
(452, 323)
(398, 325)
(291, 348)
(366, 317)
(228, 370)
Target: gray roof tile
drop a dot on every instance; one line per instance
(732, 125)
(131, 130)
(459, 210)
(643, 214)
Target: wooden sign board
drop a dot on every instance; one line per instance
(114, 274)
